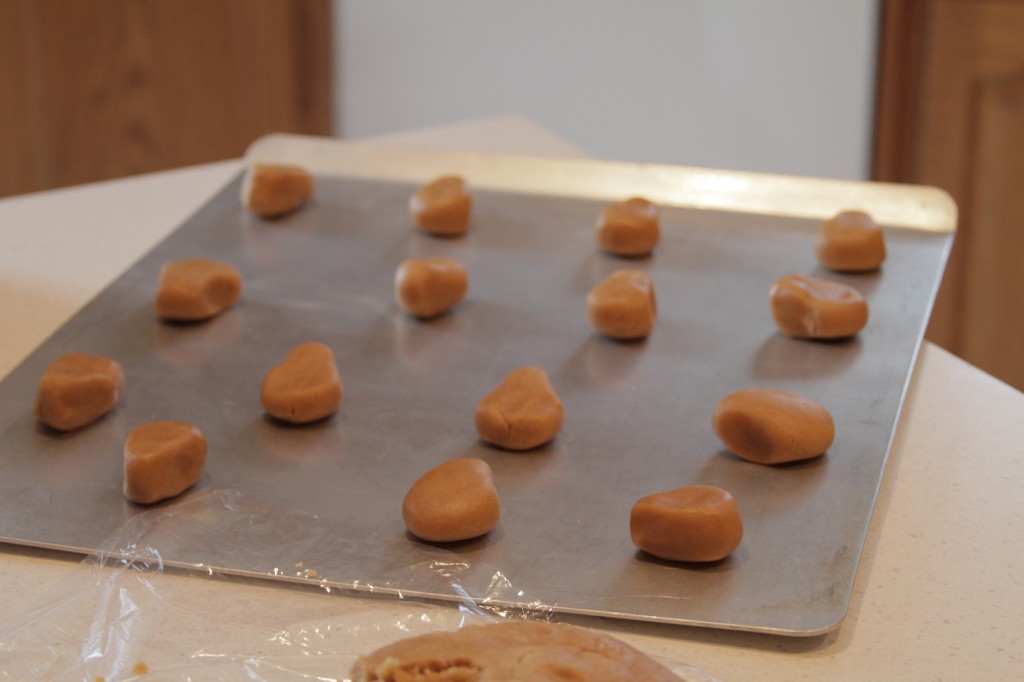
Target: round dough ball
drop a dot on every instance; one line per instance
(272, 190)
(522, 413)
(623, 306)
(696, 523)
(305, 387)
(769, 426)
(456, 500)
(442, 207)
(162, 460)
(196, 289)
(77, 389)
(851, 241)
(629, 228)
(427, 287)
(810, 308)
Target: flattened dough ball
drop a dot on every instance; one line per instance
(623, 305)
(77, 389)
(427, 287)
(162, 460)
(851, 241)
(305, 387)
(629, 228)
(272, 190)
(769, 426)
(694, 523)
(511, 650)
(442, 207)
(196, 289)
(810, 308)
(522, 413)
(456, 500)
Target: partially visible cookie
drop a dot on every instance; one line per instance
(516, 650)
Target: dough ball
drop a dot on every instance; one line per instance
(427, 287)
(162, 460)
(456, 500)
(810, 308)
(623, 305)
(629, 228)
(851, 241)
(78, 389)
(273, 190)
(305, 387)
(770, 426)
(196, 289)
(696, 523)
(522, 413)
(442, 207)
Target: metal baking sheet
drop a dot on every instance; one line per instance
(322, 502)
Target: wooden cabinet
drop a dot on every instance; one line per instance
(96, 89)
(950, 112)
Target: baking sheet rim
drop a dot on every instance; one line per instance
(915, 207)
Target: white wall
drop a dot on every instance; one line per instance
(781, 86)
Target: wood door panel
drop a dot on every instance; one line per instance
(993, 263)
(18, 130)
(117, 87)
(949, 114)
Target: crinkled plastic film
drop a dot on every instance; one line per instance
(124, 613)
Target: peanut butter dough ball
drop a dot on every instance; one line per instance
(693, 523)
(629, 228)
(456, 500)
(770, 426)
(304, 387)
(427, 287)
(850, 242)
(522, 413)
(162, 460)
(273, 190)
(196, 289)
(623, 305)
(442, 207)
(77, 389)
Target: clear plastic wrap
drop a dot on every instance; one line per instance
(122, 613)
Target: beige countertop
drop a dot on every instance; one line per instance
(939, 592)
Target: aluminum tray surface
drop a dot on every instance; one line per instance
(322, 502)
